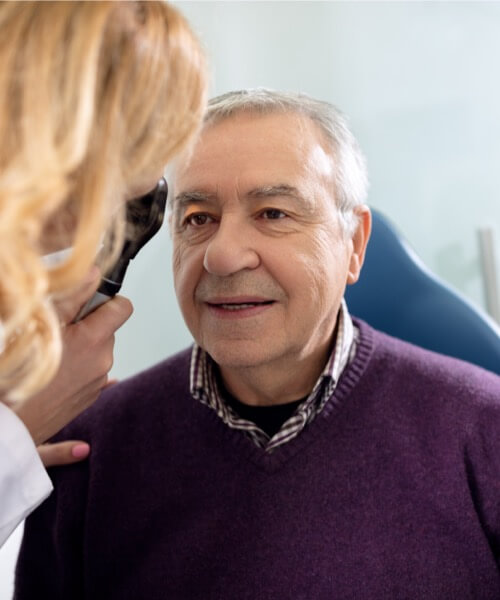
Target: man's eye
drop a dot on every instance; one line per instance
(197, 219)
(272, 214)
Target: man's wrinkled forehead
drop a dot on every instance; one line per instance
(186, 183)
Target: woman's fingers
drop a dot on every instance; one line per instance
(63, 453)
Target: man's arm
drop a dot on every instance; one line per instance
(482, 465)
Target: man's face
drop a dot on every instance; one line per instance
(260, 261)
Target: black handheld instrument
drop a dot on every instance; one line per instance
(144, 218)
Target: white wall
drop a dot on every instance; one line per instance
(420, 81)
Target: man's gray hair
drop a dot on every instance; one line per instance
(351, 179)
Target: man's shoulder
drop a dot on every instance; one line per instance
(138, 397)
(416, 391)
(168, 376)
(430, 372)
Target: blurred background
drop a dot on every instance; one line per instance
(420, 83)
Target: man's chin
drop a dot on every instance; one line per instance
(239, 354)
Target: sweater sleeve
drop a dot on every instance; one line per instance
(482, 464)
(51, 558)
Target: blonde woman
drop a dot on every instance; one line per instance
(95, 99)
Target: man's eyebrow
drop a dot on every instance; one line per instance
(190, 197)
(266, 191)
(281, 189)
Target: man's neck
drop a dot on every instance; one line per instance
(276, 383)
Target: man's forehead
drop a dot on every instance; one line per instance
(257, 151)
(248, 126)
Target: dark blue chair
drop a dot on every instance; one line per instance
(396, 293)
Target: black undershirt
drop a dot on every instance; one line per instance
(268, 418)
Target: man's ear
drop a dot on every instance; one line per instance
(359, 240)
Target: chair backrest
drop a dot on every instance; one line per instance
(396, 293)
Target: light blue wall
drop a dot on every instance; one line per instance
(421, 83)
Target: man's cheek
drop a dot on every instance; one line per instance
(181, 257)
(176, 260)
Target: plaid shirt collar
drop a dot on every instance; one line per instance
(204, 387)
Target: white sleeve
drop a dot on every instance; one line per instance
(24, 483)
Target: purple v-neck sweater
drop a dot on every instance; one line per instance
(392, 492)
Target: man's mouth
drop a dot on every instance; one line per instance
(244, 306)
(239, 305)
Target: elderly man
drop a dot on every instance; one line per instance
(293, 452)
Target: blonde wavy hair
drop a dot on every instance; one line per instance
(95, 99)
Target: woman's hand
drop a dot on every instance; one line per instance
(67, 452)
(83, 373)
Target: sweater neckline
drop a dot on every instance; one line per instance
(272, 461)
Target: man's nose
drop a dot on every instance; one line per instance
(231, 249)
